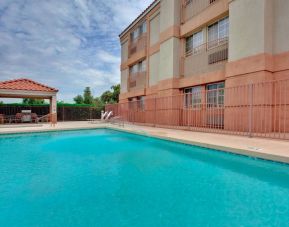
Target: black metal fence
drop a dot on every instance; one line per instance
(64, 113)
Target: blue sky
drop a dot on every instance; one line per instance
(68, 44)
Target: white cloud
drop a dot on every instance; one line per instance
(68, 44)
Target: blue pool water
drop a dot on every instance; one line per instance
(109, 178)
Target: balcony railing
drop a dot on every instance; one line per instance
(193, 7)
(207, 57)
(138, 44)
(137, 80)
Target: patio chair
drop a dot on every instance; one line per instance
(18, 118)
(34, 117)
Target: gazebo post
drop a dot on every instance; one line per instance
(53, 110)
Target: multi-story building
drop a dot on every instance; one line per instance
(197, 46)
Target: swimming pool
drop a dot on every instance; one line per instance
(109, 178)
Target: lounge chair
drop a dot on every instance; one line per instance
(105, 116)
(110, 114)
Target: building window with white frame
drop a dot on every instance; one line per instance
(142, 66)
(218, 32)
(215, 94)
(138, 67)
(141, 29)
(141, 103)
(193, 97)
(135, 34)
(194, 43)
(133, 69)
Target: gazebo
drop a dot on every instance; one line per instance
(26, 88)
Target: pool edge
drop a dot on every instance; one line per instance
(232, 150)
(227, 149)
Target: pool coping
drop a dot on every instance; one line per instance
(227, 149)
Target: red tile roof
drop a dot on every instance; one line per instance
(25, 84)
(140, 16)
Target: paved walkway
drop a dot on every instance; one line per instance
(277, 150)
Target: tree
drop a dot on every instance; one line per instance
(87, 96)
(112, 95)
(78, 99)
(29, 101)
(106, 97)
(115, 93)
(60, 102)
(1, 102)
(98, 103)
(109, 96)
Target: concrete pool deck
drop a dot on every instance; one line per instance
(276, 150)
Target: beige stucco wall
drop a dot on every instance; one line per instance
(250, 28)
(155, 29)
(170, 14)
(124, 81)
(124, 51)
(281, 26)
(154, 72)
(169, 59)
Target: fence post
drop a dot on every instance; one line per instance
(62, 113)
(155, 109)
(250, 109)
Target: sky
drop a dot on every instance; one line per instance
(66, 44)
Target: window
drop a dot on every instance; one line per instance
(218, 32)
(135, 34)
(213, 35)
(143, 28)
(193, 97)
(215, 95)
(133, 69)
(138, 31)
(142, 66)
(141, 103)
(194, 43)
(224, 28)
(139, 67)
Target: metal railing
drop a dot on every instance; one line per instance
(210, 56)
(138, 44)
(255, 110)
(191, 8)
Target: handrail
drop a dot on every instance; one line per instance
(117, 119)
(207, 46)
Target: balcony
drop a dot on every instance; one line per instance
(137, 45)
(191, 8)
(208, 57)
(137, 81)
